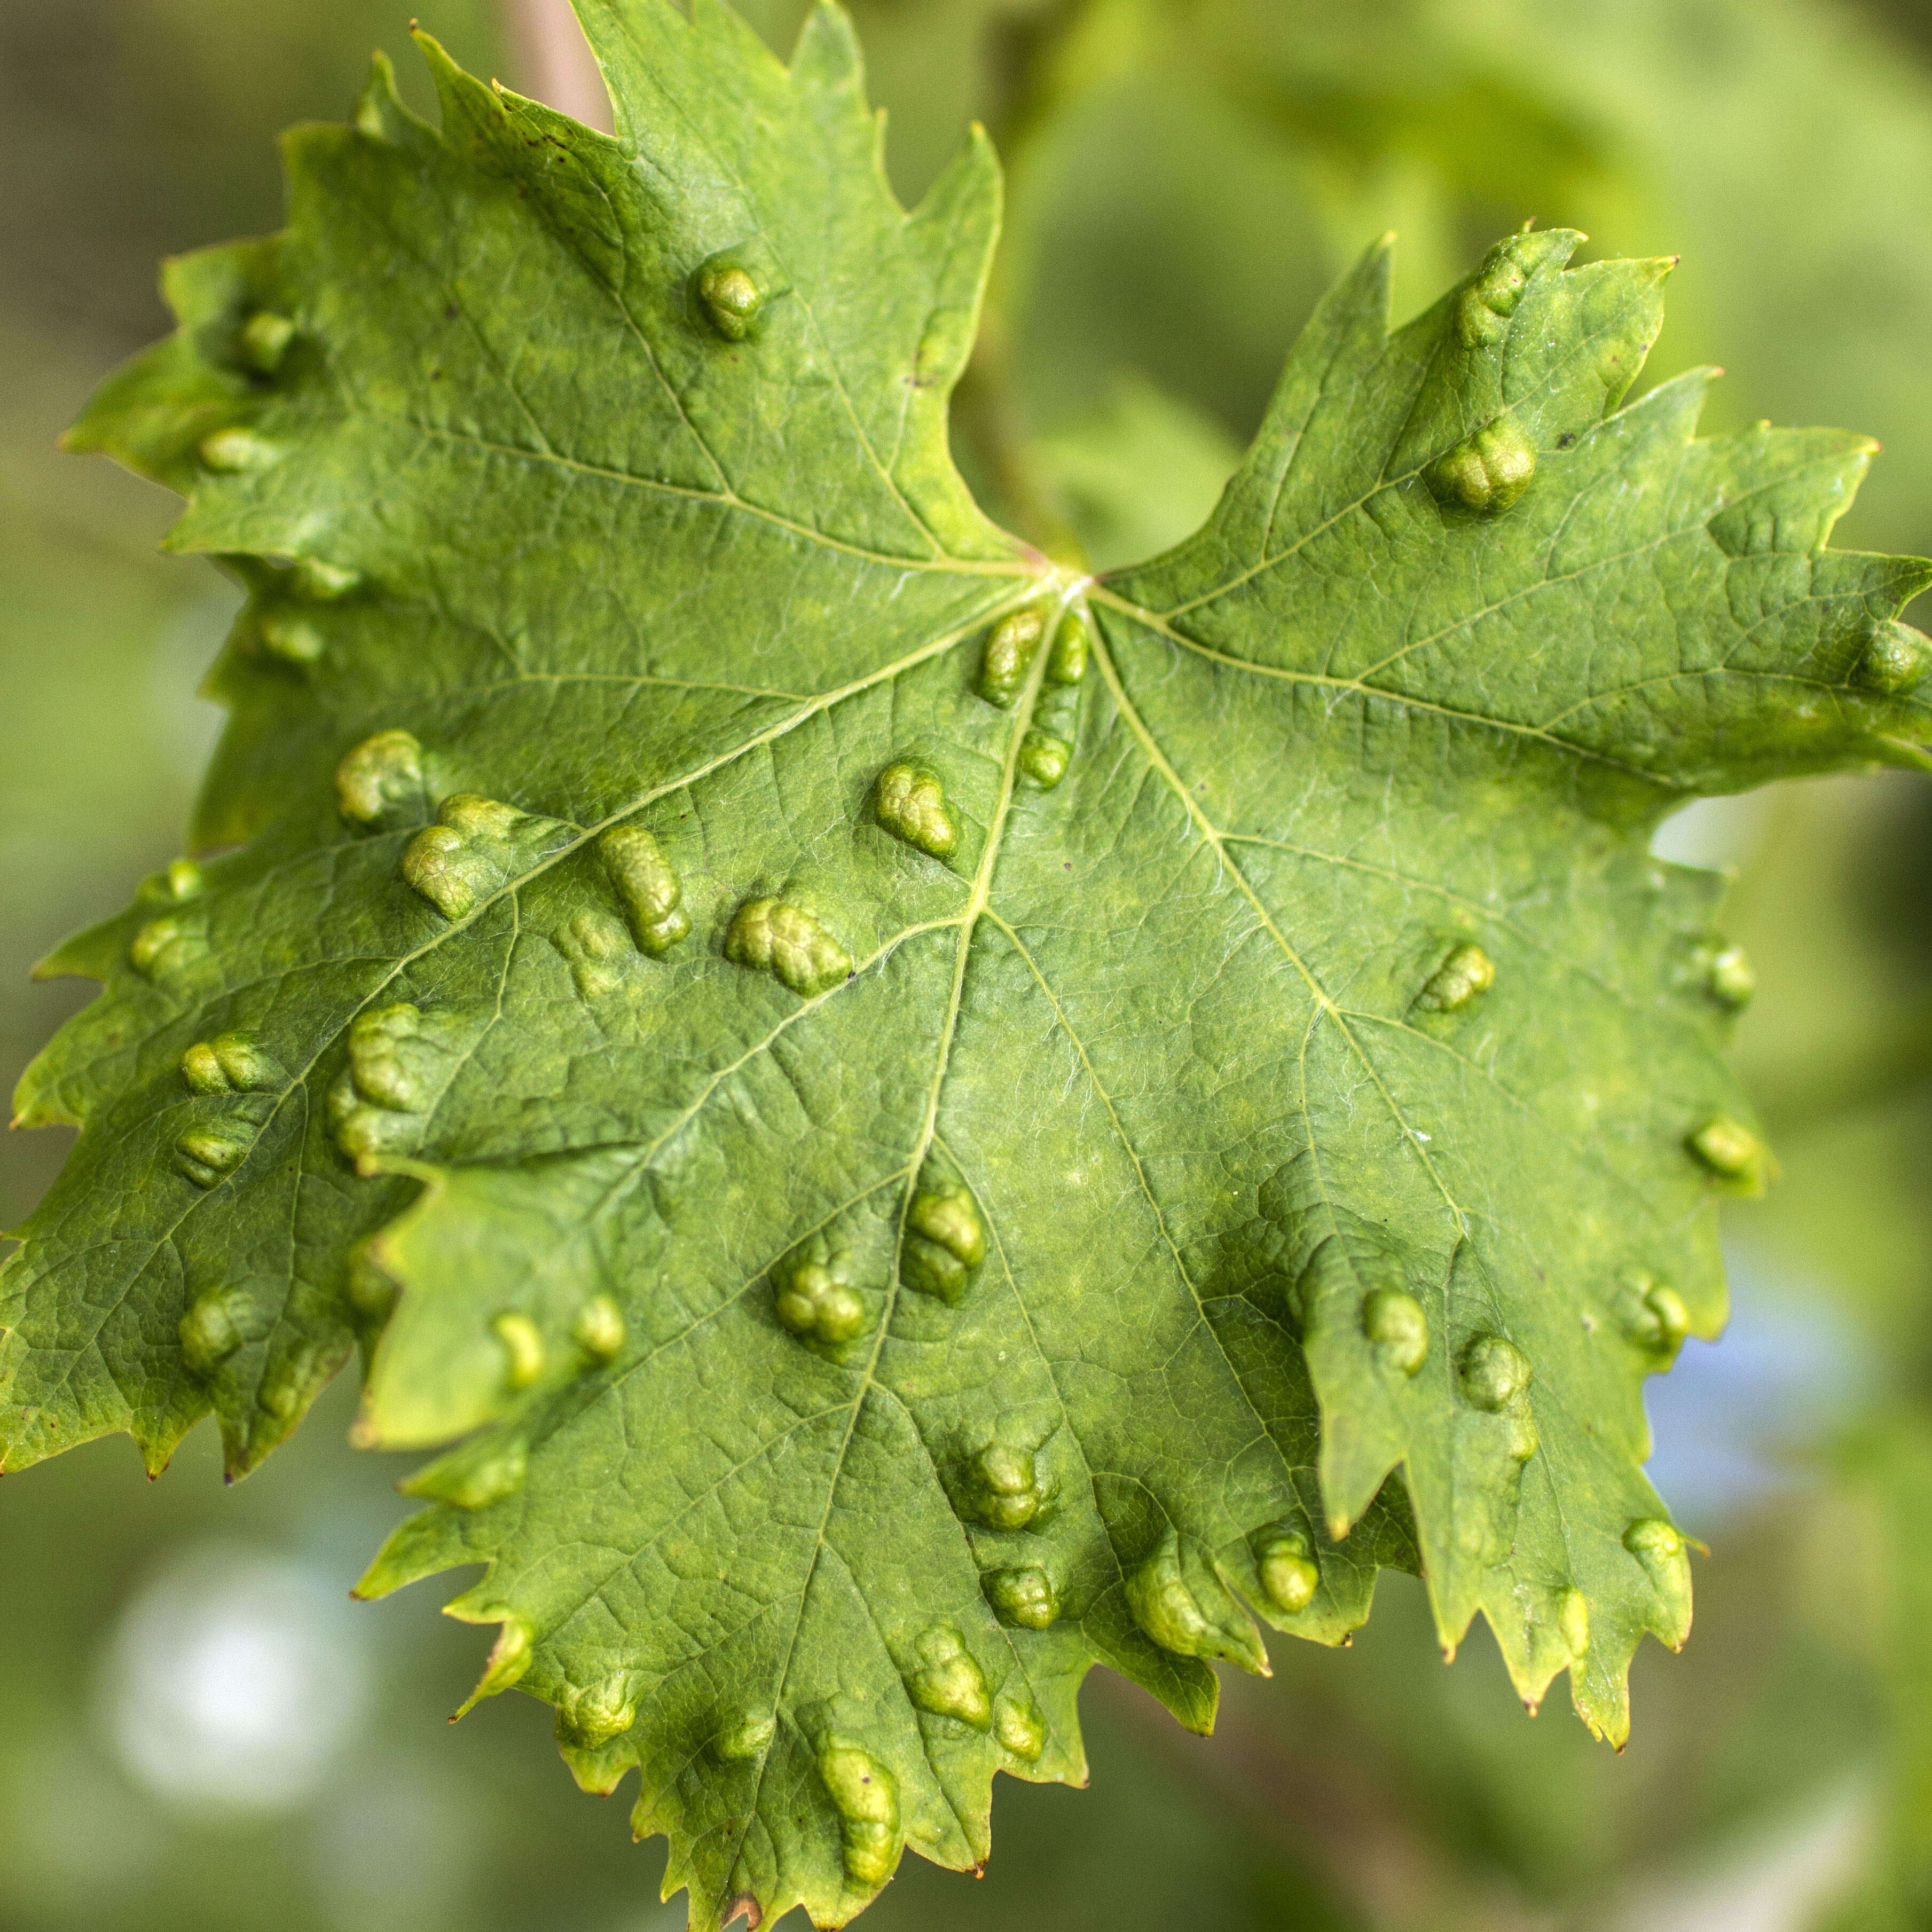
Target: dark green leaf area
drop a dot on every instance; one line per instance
(910, 1121)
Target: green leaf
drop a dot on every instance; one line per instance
(912, 1121)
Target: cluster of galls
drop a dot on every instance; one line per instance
(472, 850)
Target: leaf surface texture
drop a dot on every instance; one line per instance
(912, 1121)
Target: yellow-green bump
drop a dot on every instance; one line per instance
(1467, 973)
(1495, 1372)
(745, 1737)
(1730, 1150)
(1005, 1488)
(377, 1102)
(265, 340)
(816, 1302)
(476, 1475)
(1573, 1620)
(371, 1289)
(945, 1242)
(1659, 1547)
(948, 1683)
(589, 1716)
(788, 942)
(1485, 473)
(865, 1795)
(599, 1328)
(1290, 1575)
(1011, 647)
(210, 1332)
(295, 640)
(910, 802)
(1732, 978)
(1483, 309)
(730, 294)
(383, 774)
(1895, 659)
(1161, 1601)
(168, 945)
(1394, 1321)
(647, 886)
(1020, 1728)
(457, 862)
(236, 452)
(205, 1154)
(230, 1062)
(318, 581)
(1023, 1596)
(1657, 1320)
(523, 1348)
(1044, 758)
(1066, 662)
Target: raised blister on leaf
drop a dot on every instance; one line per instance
(1654, 1315)
(1485, 473)
(1011, 647)
(1492, 296)
(647, 886)
(745, 1737)
(1019, 1727)
(1392, 1319)
(382, 776)
(371, 1287)
(1290, 1575)
(1494, 1372)
(1023, 1596)
(599, 1330)
(1073, 643)
(815, 1301)
(1572, 1619)
(401, 1059)
(483, 1471)
(294, 639)
(211, 1330)
(1004, 1485)
(169, 945)
(231, 1063)
(948, 1682)
(910, 802)
(523, 1348)
(1043, 758)
(1463, 976)
(945, 1241)
(235, 452)
(589, 1716)
(730, 294)
(1731, 1151)
(1895, 659)
(205, 1154)
(1732, 979)
(322, 582)
(864, 1794)
(1659, 1547)
(790, 943)
(1168, 1605)
(264, 340)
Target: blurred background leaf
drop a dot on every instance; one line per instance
(196, 1729)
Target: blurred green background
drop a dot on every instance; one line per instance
(197, 1730)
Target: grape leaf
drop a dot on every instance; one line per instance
(920, 1120)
